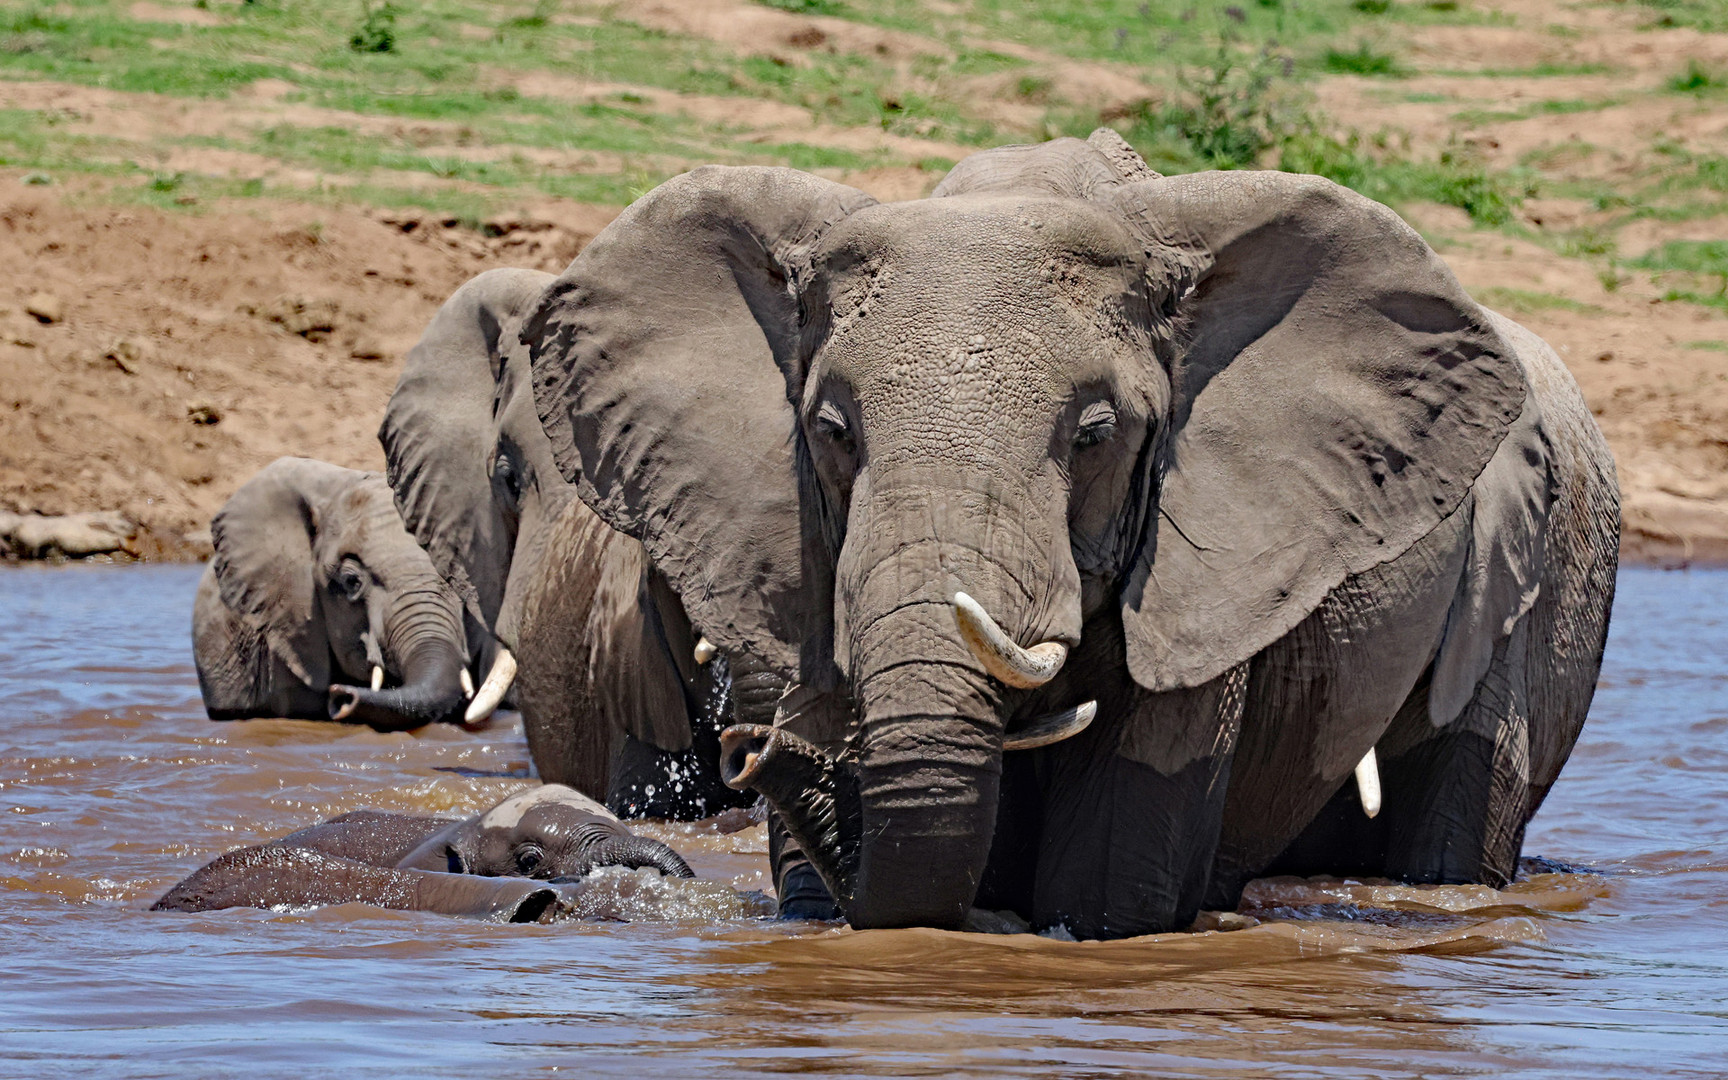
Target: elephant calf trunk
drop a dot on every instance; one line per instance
(814, 796)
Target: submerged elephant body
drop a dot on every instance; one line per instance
(319, 605)
(495, 864)
(599, 653)
(1230, 460)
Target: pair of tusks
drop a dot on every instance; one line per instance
(492, 691)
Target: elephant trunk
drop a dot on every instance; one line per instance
(816, 798)
(425, 632)
(634, 852)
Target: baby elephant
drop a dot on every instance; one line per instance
(319, 605)
(479, 866)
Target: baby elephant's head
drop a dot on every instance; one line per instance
(550, 832)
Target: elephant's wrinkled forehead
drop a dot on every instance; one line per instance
(509, 813)
(1039, 289)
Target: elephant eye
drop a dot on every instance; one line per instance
(1097, 423)
(831, 422)
(350, 581)
(528, 858)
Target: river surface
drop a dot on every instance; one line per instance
(113, 786)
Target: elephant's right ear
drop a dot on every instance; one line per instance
(666, 362)
(440, 428)
(263, 567)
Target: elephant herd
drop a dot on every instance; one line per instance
(1075, 542)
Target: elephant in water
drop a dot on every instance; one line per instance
(619, 694)
(1107, 524)
(319, 605)
(495, 864)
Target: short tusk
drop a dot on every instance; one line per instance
(705, 651)
(492, 691)
(467, 684)
(1016, 666)
(377, 677)
(1368, 783)
(1052, 728)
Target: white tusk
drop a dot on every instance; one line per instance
(705, 651)
(1025, 668)
(377, 677)
(1368, 783)
(467, 684)
(492, 691)
(1052, 728)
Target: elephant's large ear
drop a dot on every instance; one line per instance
(1334, 396)
(263, 566)
(666, 362)
(439, 430)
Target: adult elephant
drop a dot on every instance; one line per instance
(319, 605)
(617, 692)
(1229, 459)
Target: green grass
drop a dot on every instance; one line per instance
(1708, 346)
(1689, 264)
(1698, 79)
(1362, 60)
(1708, 15)
(1477, 117)
(1450, 178)
(1525, 301)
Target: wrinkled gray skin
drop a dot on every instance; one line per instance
(313, 583)
(550, 833)
(1238, 439)
(612, 699)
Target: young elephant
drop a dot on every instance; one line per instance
(319, 605)
(472, 866)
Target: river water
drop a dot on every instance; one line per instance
(113, 785)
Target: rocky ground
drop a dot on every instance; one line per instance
(201, 278)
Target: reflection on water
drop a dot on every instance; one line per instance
(113, 786)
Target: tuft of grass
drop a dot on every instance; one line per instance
(1694, 259)
(1708, 346)
(1697, 79)
(1526, 301)
(377, 30)
(806, 7)
(1362, 60)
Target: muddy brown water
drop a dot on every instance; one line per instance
(113, 785)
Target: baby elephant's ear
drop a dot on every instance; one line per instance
(1335, 394)
(666, 360)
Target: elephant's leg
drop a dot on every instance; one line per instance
(1131, 810)
(1455, 802)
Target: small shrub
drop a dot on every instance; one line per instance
(806, 7)
(1372, 7)
(1233, 112)
(377, 32)
(1362, 60)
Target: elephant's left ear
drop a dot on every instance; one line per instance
(1335, 394)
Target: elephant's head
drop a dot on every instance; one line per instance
(549, 832)
(473, 475)
(315, 557)
(911, 450)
